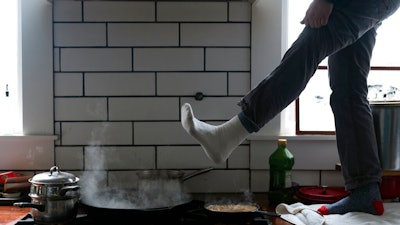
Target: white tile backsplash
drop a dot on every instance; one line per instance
(160, 133)
(182, 157)
(120, 84)
(122, 69)
(70, 158)
(168, 59)
(227, 59)
(214, 108)
(186, 11)
(80, 34)
(119, 11)
(240, 158)
(217, 34)
(239, 83)
(56, 59)
(96, 59)
(259, 180)
(189, 83)
(219, 181)
(143, 34)
(119, 158)
(75, 109)
(143, 108)
(96, 133)
(68, 84)
(70, 11)
(239, 11)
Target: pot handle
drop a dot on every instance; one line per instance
(29, 205)
(267, 213)
(65, 189)
(190, 175)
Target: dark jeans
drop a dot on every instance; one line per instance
(348, 41)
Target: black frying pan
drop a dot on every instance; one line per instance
(235, 211)
(110, 215)
(113, 207)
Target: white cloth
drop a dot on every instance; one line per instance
(300, 214)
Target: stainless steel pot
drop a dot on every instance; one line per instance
(54, 197)
(386, 116)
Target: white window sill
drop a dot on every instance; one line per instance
(28, 138)
(264, 137)
(27, 152)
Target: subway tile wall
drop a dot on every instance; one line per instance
(122, 70)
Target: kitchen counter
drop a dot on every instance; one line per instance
(12, 214)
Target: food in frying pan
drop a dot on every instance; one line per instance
(231, 208)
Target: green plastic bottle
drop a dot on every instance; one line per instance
(281, 162)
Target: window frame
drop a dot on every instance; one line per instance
(36, 39)
(328, 132)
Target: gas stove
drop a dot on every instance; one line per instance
(192, 213)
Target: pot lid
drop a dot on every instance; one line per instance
(322, 193)
(54, 176)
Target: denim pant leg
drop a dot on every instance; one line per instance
(348, 22)
(355, 134)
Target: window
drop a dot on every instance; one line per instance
(9, 113)
(34, 70)
(314, 115)
(33, 149)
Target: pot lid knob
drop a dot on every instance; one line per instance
(53, 169)
(54, 176)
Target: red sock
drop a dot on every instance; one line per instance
(323, 210)
(378, 206)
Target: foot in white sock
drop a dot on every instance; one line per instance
(219, 141)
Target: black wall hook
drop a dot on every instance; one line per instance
(199, 96)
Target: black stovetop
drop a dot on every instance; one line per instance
(192, 213)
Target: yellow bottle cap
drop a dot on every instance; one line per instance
(282, 141)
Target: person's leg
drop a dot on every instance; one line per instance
(347, 23)
(356, 140)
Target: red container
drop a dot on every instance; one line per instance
(5, 175)
(321, 194)
(390, 187)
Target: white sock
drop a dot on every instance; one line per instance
(219, 141)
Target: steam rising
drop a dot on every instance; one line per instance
(162, 190)
(147, 193)
(246, 198)
(153, 192)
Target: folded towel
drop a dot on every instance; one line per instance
(300, 214)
